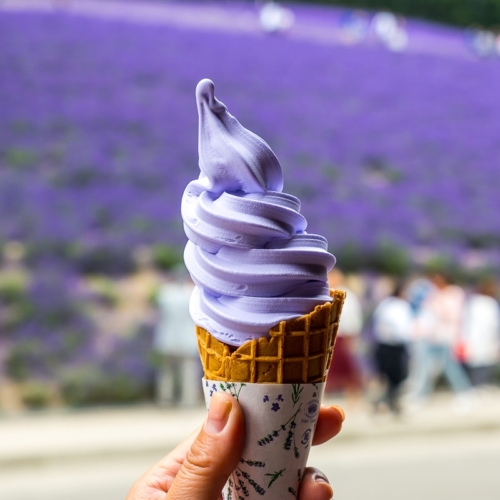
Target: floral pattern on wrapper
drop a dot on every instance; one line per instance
(277, 446)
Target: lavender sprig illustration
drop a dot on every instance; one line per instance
(229, 493)
(290, 438)
(257, 487)
(252, 463)
(299, 475)
(274, 476)
(232, 388)
(290, 425)
(241, 485)
(296, 391)
(240, 481)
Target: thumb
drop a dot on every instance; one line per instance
(214, 454)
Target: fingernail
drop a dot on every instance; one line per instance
(218, 414)
(320, 479)
(340, 410)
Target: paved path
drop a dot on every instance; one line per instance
(408, 467)
(99, 453)
(89, 434)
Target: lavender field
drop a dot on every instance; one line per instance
(98, 134)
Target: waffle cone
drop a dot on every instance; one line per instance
(299, 350)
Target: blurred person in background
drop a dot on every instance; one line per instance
(390, 30)
(481, 334)
(393, 324)
(438, 328)
(345, 372)
(417, 291)
(180, 371)
(275, 18)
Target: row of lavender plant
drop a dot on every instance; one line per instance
(98, 134)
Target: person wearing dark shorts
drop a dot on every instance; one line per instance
(393, 327)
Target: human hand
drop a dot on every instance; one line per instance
(199, 467)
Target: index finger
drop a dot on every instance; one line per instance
(329, 423)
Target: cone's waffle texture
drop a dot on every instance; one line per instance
(299, 350)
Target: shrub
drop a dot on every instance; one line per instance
(105, 291)
(102, 259)
(166, 257)
(390, 259)
(36, 395)
(385, 258)
(124, 375)
(90, 385)
(52, 328)
(13, 288)
(14, 303)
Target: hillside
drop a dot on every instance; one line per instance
(98, 127)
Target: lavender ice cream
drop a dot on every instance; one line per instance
(248, 253)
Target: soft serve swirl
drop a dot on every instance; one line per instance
(248, 253)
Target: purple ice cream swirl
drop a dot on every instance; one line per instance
(248, 253)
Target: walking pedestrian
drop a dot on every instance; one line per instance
(438, 325)
(345, 372)
(393, 325)
(481, 334)
(180, 371)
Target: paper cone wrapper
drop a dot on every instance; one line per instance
(280, 420)
(299, 350)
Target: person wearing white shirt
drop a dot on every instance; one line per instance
(392, 328)
(481, 334)
(178, 377)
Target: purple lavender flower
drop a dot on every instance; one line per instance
(97, 146)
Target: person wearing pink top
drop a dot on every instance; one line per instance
(345, 372)
(438, 327)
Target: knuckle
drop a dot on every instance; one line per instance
(200, 458)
